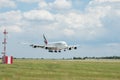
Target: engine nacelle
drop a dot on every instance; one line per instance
(75, 47)
(70, 48)
(46, 47)
(34, 46)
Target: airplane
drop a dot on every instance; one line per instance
(54, 46)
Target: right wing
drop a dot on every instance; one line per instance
(70, 47)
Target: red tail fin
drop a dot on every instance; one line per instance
(45, 40)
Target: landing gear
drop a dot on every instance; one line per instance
(55, 51)
(59, 51)
(50, 51)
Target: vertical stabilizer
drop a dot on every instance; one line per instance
(45, 40)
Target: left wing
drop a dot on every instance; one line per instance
(37, 46)
(49, 48)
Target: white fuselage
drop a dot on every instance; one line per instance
(57, 45)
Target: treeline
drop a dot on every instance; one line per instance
(74, 58)
(110, 57)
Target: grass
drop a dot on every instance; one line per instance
(60, 70)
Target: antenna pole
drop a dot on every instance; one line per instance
(4, 44)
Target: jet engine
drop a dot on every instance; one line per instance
(75, 47)
(70, 48)
(46, 47)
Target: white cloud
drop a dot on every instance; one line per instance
(61, 4)
(68, 32)
(87, 25)
(55, 5)
(7, 3)
(11, 20)
(10, 17)
(114, 4)
(43, 5)
(102, 1)
(29, 1)
(108, 6)
(96, 12)
(38, 15)
(11, 28)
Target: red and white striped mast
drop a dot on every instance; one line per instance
(4, 42)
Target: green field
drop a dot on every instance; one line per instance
(61, 70)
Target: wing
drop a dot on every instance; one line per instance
(37, 46)
(43, 46)
(70, 47)
(49, 48)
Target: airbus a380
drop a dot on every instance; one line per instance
(55, 46)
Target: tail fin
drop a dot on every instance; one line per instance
(45, 40)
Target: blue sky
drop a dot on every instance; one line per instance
(93, 24)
